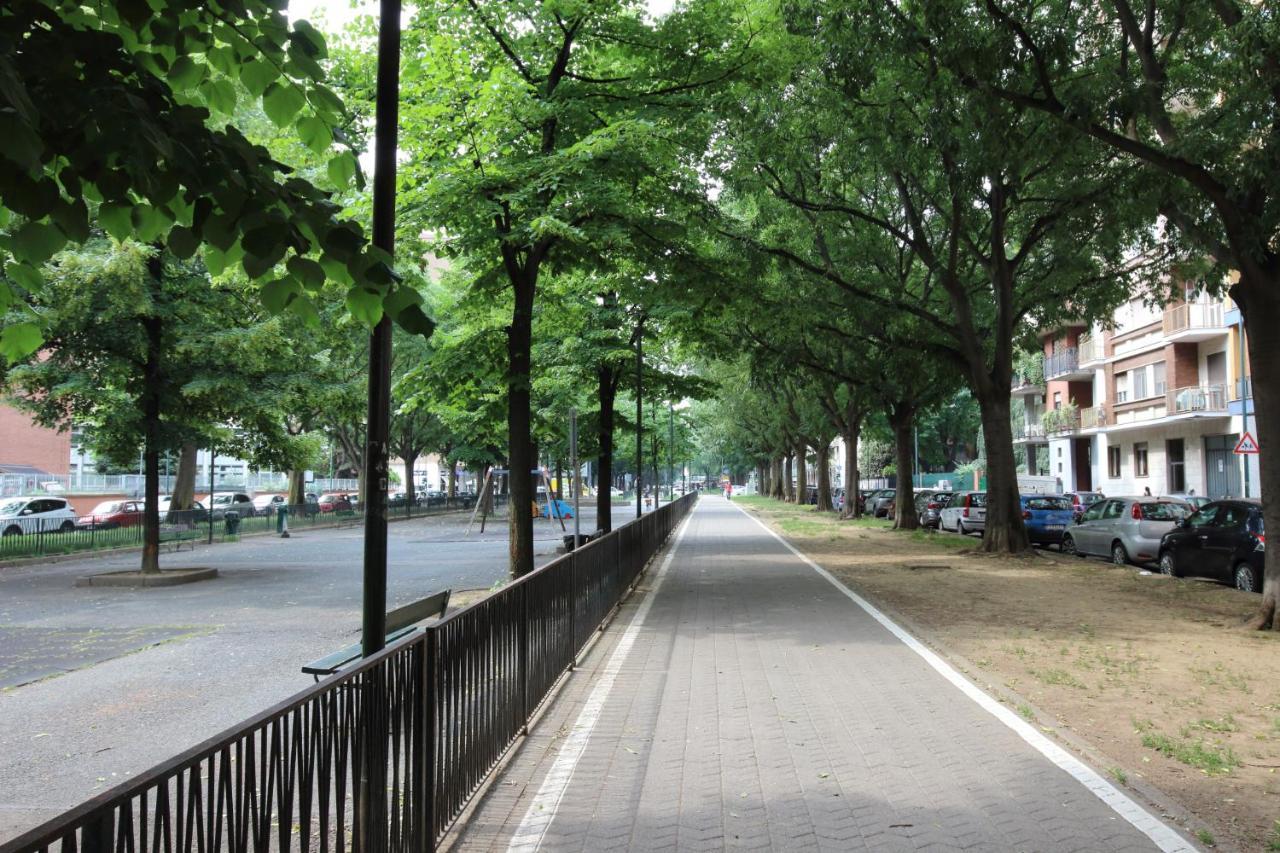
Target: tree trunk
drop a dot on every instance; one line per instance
(607, 390)
(761, 479)
(519, 438)
(1004, 531)
(559, 489)
(852, 433)
(824, 476)
(776, 490)
(151, 446)
(297, 488)
(453, 477)
(184, 485)
(788, 484)
(903, 419)
(1258, 295)
(410, 457)
(802, 472)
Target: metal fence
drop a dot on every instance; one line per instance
(20, 538)
(386, 755)
(134, 484)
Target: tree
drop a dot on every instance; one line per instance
(1189, 91)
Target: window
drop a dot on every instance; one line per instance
(1138, 383)
(1140, 459)
(1231, 517)
(1112, 509)
(1122, 387)
(1113, 462)
(1094, 512)
(1157, 373)
(1204, 517)
(1057, 400)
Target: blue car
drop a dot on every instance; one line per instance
(1047, 517)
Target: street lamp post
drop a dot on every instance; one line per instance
(671, 450)
(639, 416)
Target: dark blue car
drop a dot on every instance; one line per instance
(1046, 517)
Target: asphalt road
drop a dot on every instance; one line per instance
(100, 683)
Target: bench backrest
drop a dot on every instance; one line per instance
(403, 617)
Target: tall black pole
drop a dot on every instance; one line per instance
(639, 421)
(387, 109)
(671, 449)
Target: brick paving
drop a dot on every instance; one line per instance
(760, 709)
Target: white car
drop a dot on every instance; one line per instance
(35, 515)
(967, 513)
(267, 504)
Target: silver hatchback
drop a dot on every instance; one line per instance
(1125, 529)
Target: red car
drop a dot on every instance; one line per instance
(335, 503)
(113, 514)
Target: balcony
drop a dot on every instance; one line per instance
(1065, 364)
(1208, 399)
(1093, 417)
(1244, 388)
(1194, 321)
(1090, 351)
(1024, 433)
(1061, 421)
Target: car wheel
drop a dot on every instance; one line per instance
(960, 528)
(13, 530)
(1246, 580)
(1119, 555)
(1068, 546)
(1168, 566)
(67, 526)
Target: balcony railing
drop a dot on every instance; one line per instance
(1244, 388)
(1192, 315)
(1090, 349)
(1062, 361)
(1027, 431)
(1093, 417)
(1196, 398)
(1057, 421)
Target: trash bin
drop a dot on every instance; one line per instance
(282, 515)
(232, 520)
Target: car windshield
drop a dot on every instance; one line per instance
(12, 507)
(105, 507)
(1164, 511)
(1047, 502)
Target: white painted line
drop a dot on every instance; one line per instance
(1146, 823)
(542, 810)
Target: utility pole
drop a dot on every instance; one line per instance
(671, 450)
(1245, 400)
(386, 120)
(577, 482)
(639, 415)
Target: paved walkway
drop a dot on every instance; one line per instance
(746, 702)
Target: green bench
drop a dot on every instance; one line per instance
(400, 622)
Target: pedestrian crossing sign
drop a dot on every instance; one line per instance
(1246, 444)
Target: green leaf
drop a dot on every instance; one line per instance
(342, 168)
(73, 219)
(24, 274)
(315, 134)
(278, 293)
(365, 306)
(415, 321)
(185, 73)
(257, 75)
(219, 95)
(324, 100)
(37, 242)
(215, 260)
(282, 102)
(303, 307)
(117, 220)
(20, 340)
(310, 273)
(149, 222)
(182, 242)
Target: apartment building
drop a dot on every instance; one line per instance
(1157, 399)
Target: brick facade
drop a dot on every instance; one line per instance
(22, 442)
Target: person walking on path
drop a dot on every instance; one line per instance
(728, 491)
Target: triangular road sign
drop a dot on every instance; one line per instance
(1246, 444)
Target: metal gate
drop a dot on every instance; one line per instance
(1221, 468)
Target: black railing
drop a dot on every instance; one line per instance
(383, 757)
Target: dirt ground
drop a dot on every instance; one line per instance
(1150, 679)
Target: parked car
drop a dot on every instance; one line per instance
(966, 513)
(1223, 540)
(335, 503)
(196, 515)
(268, 504)
(398, 500)
(1194, 501)
(35, 515)
(877, 501)
(1081, 501)
(930, 505)
(1124, 529)
(109, 514)
(238, 502)
(1047, 517)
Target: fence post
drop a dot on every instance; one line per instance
(573, 607)
(430, 730)
(98, 836)
(523, 656)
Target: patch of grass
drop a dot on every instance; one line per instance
(1119, 775)
(1205, 836)
(951, 543)
(869, 523)
(802, 526)
(1059, 677)
(1210, 759)
(1220, 676)
(1020, 651)
(1273, 840)
(1225, 723)
(1026, 713)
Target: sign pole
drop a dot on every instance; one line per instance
(577, 480)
